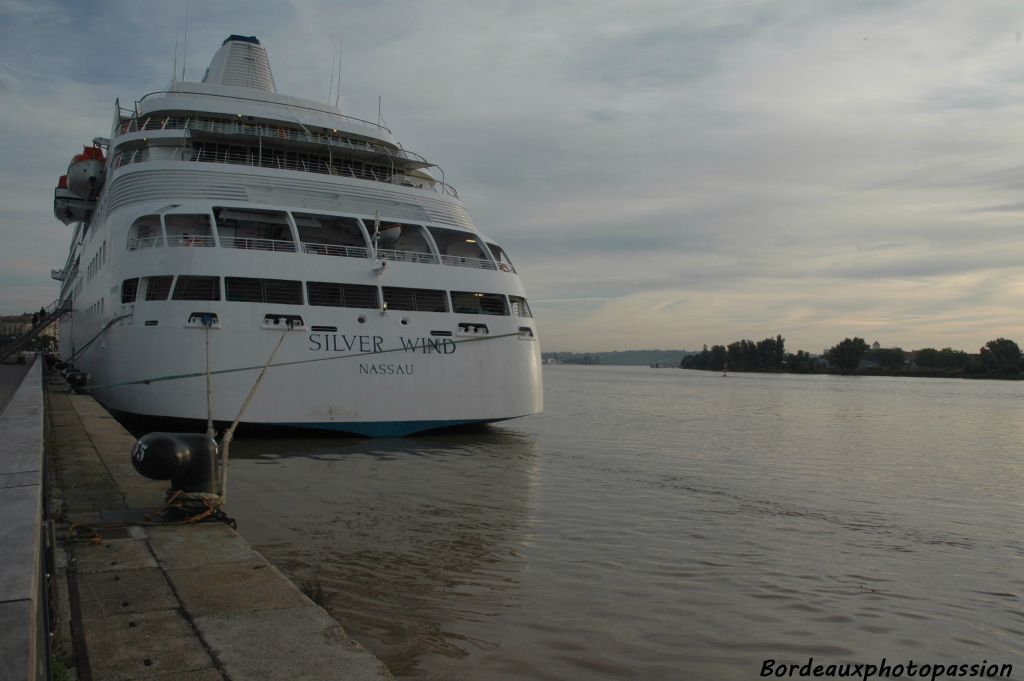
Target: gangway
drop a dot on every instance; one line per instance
(53, 312)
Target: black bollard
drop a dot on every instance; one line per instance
(188, 460)
(78, 380)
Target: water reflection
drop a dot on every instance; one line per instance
(664, 525)
(416, 542)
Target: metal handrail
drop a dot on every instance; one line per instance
(406, 256)
(268, 160)
(149, 242)
(245, 243)
(261, 101)
(192, 240)
(276, 132)
(459, 261)
(335, 249)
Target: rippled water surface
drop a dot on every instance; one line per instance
(666, 524)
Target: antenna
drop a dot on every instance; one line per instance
(379, 118)
(330, 90)
(337, 91)
(184, 47)
(177, 36)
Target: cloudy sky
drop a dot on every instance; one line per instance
(663, 174)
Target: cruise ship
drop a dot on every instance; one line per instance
(223, 228)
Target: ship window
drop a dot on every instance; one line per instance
(264, 230)
(328, 294)
(129, 289)
(157, 288)
(519, 306)
(467, 302)
(247, 290)
(460, 248)
(504, 264)
(416, 299)
(331, 235)
(145, 232)
(401, 241)
(197, 288)
(188, 230)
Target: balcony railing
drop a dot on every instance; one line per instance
(406, 256)
(477, 263)
(335, 249)
(267, 159)
(273, 132)
(188, 240)
(257, 244)
(149, 242)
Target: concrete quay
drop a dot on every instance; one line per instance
(183, 602)
(23, 616)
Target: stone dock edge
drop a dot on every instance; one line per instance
(133, 599)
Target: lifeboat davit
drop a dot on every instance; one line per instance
(67, 207)
(86, 173)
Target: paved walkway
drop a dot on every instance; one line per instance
(189, 603)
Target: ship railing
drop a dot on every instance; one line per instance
(268, 159)
(192, 240)
(236, 98)
(246, 243)
(149, 242)
(273, 132)
(406, 256)
(458, 261)
(336, 249)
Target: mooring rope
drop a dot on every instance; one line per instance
(82, 349)
(225, 442)
(207, 322)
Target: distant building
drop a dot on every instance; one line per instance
(876, 346)
(12, 326)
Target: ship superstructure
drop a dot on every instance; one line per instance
(222, 224)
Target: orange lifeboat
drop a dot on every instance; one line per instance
(86, 173)
(67, 207)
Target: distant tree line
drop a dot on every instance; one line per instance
(999, 358)
(742, 355)
(619, 357)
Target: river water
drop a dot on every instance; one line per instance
(666, 524)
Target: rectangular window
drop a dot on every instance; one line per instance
(331, 235)
(519, 307)
(277, 291)
(261, 230)
(467, 302)
(189, 229)
(129, 289)
(145, 233)
(416, 299)
(504, 264)
(157, 288)
(197, 288)
(330, 294)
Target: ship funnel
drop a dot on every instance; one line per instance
(242, 62)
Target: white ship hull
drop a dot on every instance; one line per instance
(367, 366)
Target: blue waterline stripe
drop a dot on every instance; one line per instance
(386, 428)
